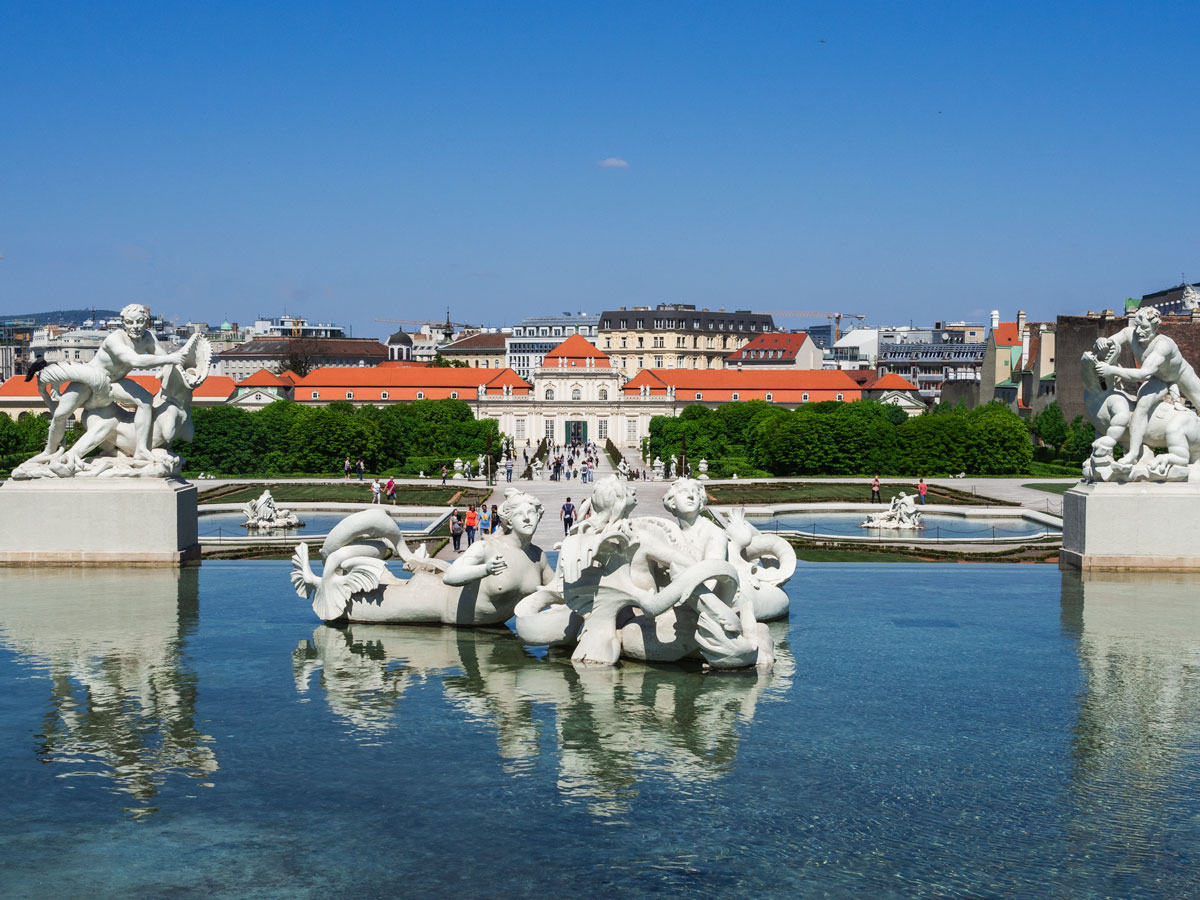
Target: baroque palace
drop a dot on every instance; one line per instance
(576, 392)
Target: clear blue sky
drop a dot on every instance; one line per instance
(355, 160)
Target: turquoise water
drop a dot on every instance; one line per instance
(931, 731)
(937, 525)
(230, 524)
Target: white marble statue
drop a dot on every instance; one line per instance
(703, 467)
(623, 469)
(646, 588)
(129, 443)
(262, 514)
(901, 514)
(659, 467)
(1141, 408)
(673, 469)
(481, 587)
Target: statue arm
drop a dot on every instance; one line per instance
(474, 565)
(119, 347)
(1151, 363)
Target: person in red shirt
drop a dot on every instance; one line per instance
(471, 524)
(922, 487)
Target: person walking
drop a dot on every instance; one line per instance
(567, 514)
(495, 518)
(456, 530)
(875, 497)
(362, 467)
(472, 522)
(445, 472)
(376, 489)
(485, 521)
(389, 489)
(922, 487)
(346, 467)
(508, 467)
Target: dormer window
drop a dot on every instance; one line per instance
(349, 395)
(383, 395)
(699, 395)
(804, 398)
(454, 395)
(420, 395)
(771, 397)
(316, 395)
(735, 396)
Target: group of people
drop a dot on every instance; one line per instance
(348, 467)
(578, 459)
(379, 491)
(482, 521)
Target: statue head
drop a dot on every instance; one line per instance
(685, 497)
(1146, 322)
(612, 499)
(134, 319)
(520, 512)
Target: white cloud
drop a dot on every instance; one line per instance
(613, 163)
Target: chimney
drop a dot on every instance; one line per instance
(995, 319)
(1020, 320)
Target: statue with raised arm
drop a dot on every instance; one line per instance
(1150, 412)
(131, 428)
(1160, 365)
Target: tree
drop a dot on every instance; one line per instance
(301, 356)
(1050, 426)
(440, 362)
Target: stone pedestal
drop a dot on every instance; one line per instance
(98, 521)
(1131, 527)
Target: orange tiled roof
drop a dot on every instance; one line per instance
(263, 378)
(1006, 334)
(788, 343)
(575, 351)
(402, 383)
(402, 364)
(214, 387)
(892, 382)
(784, 385)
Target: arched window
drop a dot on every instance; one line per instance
(603, 393)
(735, 395)
(349, 395)
(383, 395)
(770, 396)
(576, 394)
(454, 395)
(804, 398)
(699, 396)
(549, 393)
(420, 395)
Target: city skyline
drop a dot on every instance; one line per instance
(356, 162)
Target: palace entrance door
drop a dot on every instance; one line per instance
(576, 430)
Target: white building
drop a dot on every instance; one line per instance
(536, 336)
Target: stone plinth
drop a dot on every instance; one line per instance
(1118, 527)
(98, 521)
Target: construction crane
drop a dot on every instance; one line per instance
(447, 326)
(835, 316)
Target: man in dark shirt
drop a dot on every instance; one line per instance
(567, 514)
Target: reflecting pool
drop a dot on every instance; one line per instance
(229, 524)
(941, 526)
(930, 731)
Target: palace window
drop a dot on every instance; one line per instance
(316, 395)
(549, 429)
(804, 398)
(602, 429)
(735, 396)
(603, 393)
(549, 393)
(454, 395)
(839, 396)
(520, 428)
(770, 397)
(576, 394)
(420, 395)
(349, 395)
(630, 430)
(699, 395)
(383, 395)
(658, 364)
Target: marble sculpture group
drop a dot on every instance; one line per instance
(646, 588)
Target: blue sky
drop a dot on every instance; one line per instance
(910, 161)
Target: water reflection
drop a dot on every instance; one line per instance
(608, 728)
(1138, 727)
(122, 702)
